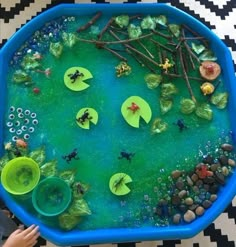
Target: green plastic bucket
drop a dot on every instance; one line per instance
(51, 197)
(20, 175)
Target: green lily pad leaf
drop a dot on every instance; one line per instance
(168, 89)
(153, 80)
(49, 168)
(56, 49)
(68, 222)
(68, 176)
(38, 155)
(198, 48)
(69, 39)
(21, 76)
(135, 107)
(175, 29)
(187, 106)
(165, 104)
(3, 161)
(91, 116)
(134, 31)
(122, 20)
(159, 126)
(161, 20)
(78, 84)
(220, 100)
(29, 62)
(148, 23)
(207, 55)
(204, 111)
(79, 207)
(79, 189)
(117, 184)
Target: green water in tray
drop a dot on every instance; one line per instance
(156, 155)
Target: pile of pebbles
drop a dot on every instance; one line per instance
(192, 193)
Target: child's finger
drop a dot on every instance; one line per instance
(33, 234)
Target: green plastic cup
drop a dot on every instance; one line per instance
(20, 175)
(51, 197)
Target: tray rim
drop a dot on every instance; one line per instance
(120, 234)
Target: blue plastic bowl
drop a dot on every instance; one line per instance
(76, 237)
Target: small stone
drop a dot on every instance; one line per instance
(175, 200)
(197, 199)
(182, 193)
(183, 208)
(196, 189)
(206, 187)
(227, 147)
(179, 184)
(189, 181)
(199, 183)
(189, 216)
(193, 207)
(199, 211)
(231, 162)
(206, 204)
(194, 177)
(208, 159)
(146, 197)
(188, 201)
(225, 171)
(176, 174)
(223, 160)
(213, 197)
(220, 178)
(209, 180)
(214, 167)
(176, 218)
(214, 188)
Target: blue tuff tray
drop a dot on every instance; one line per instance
(77, 237)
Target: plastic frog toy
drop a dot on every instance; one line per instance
(122, 69)
(166, 65)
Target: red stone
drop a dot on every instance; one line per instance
(36, 90)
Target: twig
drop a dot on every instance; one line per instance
(186, 76)
(134, 50)
(163, 46)
(114, 53)
(191, 53)
(181, 76)
(135, 57)
(145, 48)
(105, 28)
(90, 23)
(194, 34)
(101, 42)
(162, 35)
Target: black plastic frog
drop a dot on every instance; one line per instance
(126, 155)
(70, 156)
(180, 123)
(84, 117)
(75, 75)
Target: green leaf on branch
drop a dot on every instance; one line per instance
(21, 76)
(38, 155)
(69, 39)
(175, 29)
(79, 207)
(56, 49)
(198, 48)
(161, 20)
(168, 89)
(204, 111)
(68, 176)
(207, 55)
(187, 106)
(148, 23)
(29, 62)
(153, 80)
(122, 20)
(165, 104)
(49, 168)
(220, 100)
(68, 222)
(134, 31)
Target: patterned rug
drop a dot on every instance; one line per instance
(219, 16)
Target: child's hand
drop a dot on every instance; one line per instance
(23, 238)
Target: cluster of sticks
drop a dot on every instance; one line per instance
(176, 50)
